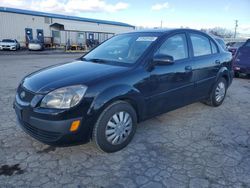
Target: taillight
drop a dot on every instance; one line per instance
(237, 57)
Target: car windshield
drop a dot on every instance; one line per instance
(8, 40)
(35, 41)
(122, 49)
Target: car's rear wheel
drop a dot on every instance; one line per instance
(115, 127)
(218, 93)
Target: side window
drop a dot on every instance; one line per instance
(201, 45)
(214, 48)
(175, 46)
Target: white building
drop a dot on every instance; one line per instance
(55, 29)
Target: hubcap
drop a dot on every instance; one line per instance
(118, 128)
(220, 92)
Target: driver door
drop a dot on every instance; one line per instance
(171, 84)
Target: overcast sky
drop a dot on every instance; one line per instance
(149, 13)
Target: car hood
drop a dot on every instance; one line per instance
(7, 43)
(74, 73)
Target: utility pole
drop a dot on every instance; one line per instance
(235, 29)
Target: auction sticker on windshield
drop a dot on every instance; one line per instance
(148, 39)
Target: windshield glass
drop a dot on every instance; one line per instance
(8, 40)
(35, 41)
(125, 48)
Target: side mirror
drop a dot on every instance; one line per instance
(163, 60)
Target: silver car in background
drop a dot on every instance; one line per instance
(9, 44)
(35, 45)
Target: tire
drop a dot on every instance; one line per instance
(106, 130)
(218, 95)
(236, 74)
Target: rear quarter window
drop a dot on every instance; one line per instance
(214, 47)
(221, 43)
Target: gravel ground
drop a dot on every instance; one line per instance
(195, 146)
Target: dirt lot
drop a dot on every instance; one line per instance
(195, 146)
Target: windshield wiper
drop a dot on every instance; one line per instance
(95, 60)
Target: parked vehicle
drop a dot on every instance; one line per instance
(234, 47)
(125, 80)
(9, 44)
(35, 45)
(242, 60)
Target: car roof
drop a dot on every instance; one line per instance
(165, 31)
(9, 40)
(215, 37)
(152, 31)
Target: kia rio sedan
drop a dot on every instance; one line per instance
(125, 80)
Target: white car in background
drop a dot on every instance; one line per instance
(9, 44)
(35, 45)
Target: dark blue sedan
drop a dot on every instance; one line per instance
(125, 80)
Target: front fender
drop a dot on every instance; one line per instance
(119, 92)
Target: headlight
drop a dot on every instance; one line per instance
(64, 98)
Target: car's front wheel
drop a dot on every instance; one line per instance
(218, 93)
(115, 127)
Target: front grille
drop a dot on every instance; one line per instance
(28, 94)
(39, 134)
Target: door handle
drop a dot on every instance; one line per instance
(217, 62)
(188, 68)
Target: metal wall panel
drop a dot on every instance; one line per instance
(13, 26)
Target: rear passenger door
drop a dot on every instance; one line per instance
(206, 63)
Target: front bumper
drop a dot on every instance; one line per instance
(35, 47)
(7, 47)
(52, 127)
(55, 133)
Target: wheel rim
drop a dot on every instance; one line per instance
(118, 128)
(220, 92)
